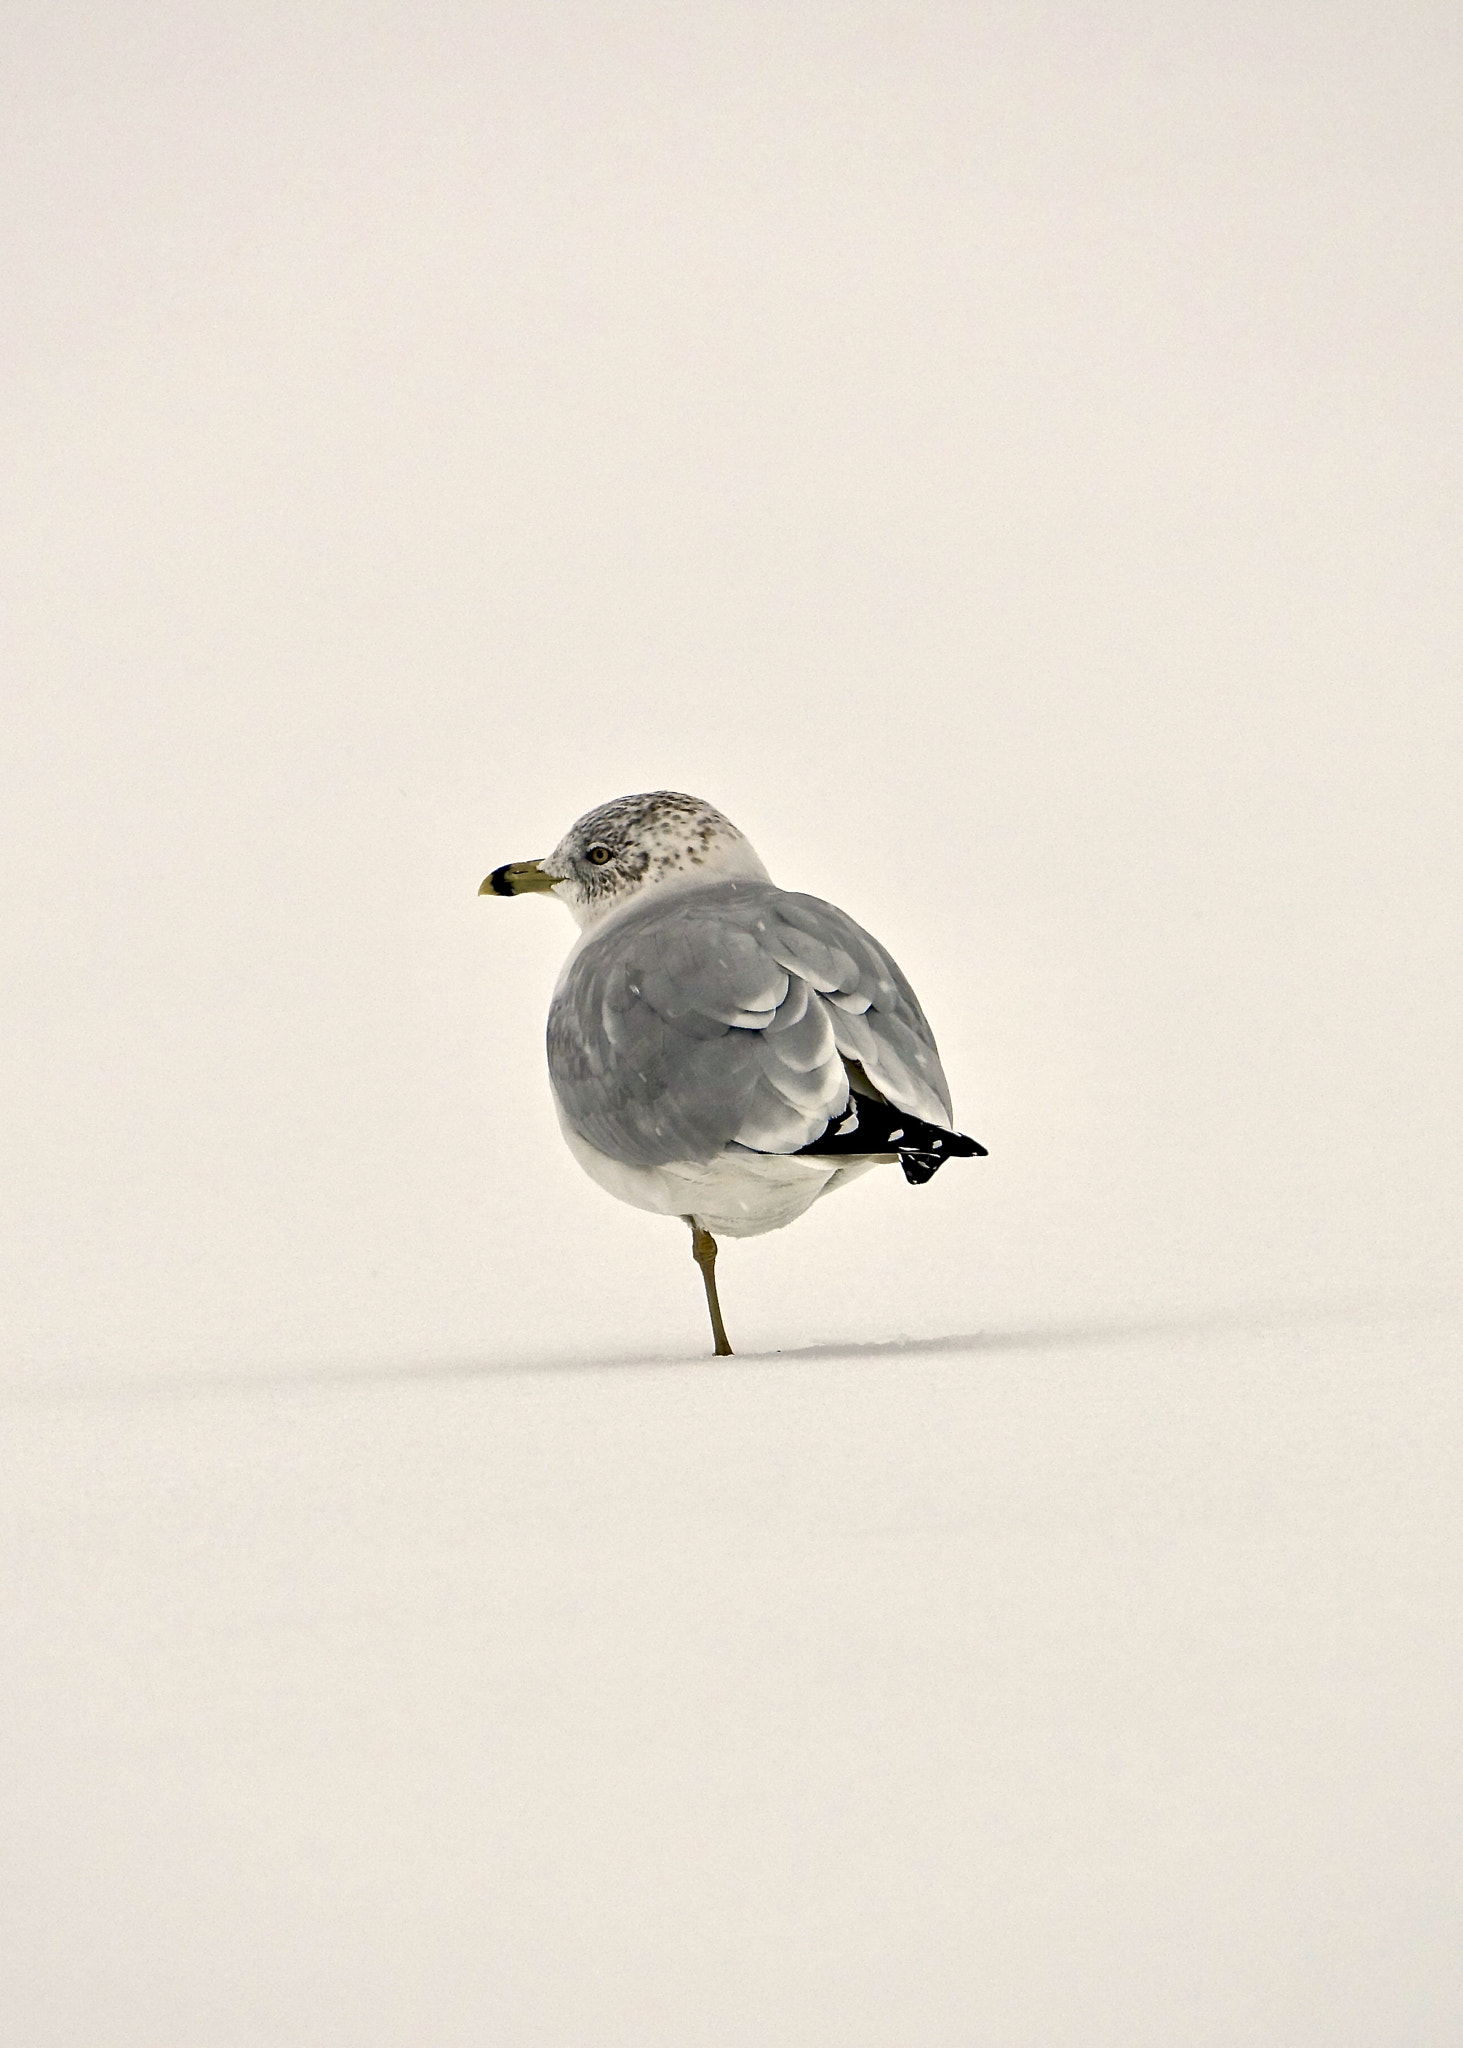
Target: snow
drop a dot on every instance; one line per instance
(1065, 1687)
(1004, 459)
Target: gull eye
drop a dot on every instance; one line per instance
(598, 855)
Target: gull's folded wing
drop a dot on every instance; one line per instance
(724, 1015)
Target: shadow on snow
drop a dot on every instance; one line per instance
(1078, 1333)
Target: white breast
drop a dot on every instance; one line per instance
(736, 1194)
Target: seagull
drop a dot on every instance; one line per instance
(720, 1049)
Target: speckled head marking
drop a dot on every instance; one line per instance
(662, 838)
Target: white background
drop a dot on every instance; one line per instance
(1007, 459)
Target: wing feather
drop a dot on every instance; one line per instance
(723, 1015)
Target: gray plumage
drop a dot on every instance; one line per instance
(723, 1015)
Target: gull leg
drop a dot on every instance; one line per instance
(703, 1251)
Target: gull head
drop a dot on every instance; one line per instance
(610, 857)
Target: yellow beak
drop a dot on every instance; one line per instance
(518, 878)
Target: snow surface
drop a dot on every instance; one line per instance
(1062, 1687)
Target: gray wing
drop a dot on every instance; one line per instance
(724, 1016)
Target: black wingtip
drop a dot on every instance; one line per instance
(868, 1127)
(955, 1145)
